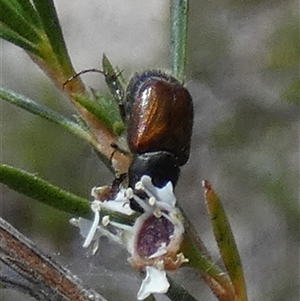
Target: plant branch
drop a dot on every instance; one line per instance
(194, 249)
(44, 192)
(41, 190)
(44, 112)
(46, 280)
(226, 242)
(51, 26)
(179, 29)
(35, 27)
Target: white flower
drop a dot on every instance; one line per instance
(119, 203)
(92, 231)
(153, 241)
(155, 282)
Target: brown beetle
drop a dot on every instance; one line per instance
(159, 113)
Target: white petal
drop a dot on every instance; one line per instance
(166, 195)
(163, 195)
(119, 204)
(83, 224)
(155, 282)
(118, 207)
(160, 251)
(93, 229)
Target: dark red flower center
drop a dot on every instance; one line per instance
(154, 232)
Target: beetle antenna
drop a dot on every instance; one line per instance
(83, 72)
(115, 76)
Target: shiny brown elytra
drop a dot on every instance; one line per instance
(160, 115)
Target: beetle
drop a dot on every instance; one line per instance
(159, 116)
(158, 111)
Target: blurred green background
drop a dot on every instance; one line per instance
(243, 74)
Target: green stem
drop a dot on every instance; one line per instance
(44, 192)
(194, 249)
(44, 112)
(41, 190)
(179, 28)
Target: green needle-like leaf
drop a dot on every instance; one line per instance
(194, 250)
(12, 18)
(179, 29)
(105, 109)
(49, 19)
(226, 242)
(41, 190)
(44, 112)
(27, 10)
(114, 80)
(11, 36)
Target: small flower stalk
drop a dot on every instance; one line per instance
(153, 241)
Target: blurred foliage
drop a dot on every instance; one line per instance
(256, 137)
(207, 42)
(284, 51)
(284, 56)
(238, 131)
(292, 93)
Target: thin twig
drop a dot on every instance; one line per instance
(179, 30)
(41, 277)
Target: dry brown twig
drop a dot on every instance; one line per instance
(25, 268)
